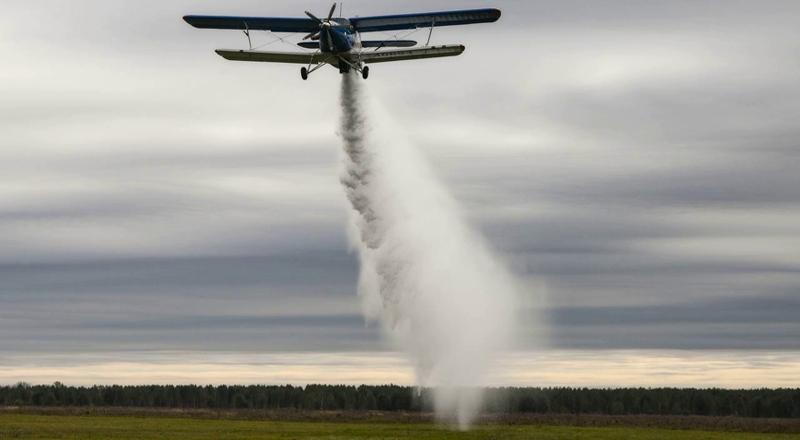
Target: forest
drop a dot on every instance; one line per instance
(769, 403)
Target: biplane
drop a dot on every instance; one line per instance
(337, 42)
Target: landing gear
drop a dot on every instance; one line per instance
(305, 72)
(346, 65)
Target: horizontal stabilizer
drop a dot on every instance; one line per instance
(366, 44)
(389, 43)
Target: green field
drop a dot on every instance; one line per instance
(29, 426)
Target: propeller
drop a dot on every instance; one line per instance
(323, 24)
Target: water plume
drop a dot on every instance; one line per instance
(438, 291)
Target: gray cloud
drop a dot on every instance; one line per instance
(633, 161)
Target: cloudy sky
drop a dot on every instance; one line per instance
(166, 216)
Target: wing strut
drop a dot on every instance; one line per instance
(247, 33)
(430, 34)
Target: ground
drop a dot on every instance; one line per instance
(68, 425)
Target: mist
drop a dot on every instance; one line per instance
(434, 285)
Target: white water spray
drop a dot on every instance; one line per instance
(433, 284)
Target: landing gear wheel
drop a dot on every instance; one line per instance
(365, 72)
(304, 73)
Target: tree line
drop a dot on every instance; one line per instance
(773, 403)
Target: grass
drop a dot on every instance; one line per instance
(36, 426)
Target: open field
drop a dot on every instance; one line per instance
(21, 424)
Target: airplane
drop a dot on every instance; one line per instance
(337, 41)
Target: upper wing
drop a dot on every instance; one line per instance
(410, 54)
(253, 23)
(274, 57)
(413, 21)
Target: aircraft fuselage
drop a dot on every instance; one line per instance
(338, 37)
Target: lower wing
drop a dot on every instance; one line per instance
(275, 57)
(368, 57)
(385, 56)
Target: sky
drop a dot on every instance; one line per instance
(167, 216)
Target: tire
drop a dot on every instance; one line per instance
(365, 72)
(304, 73)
